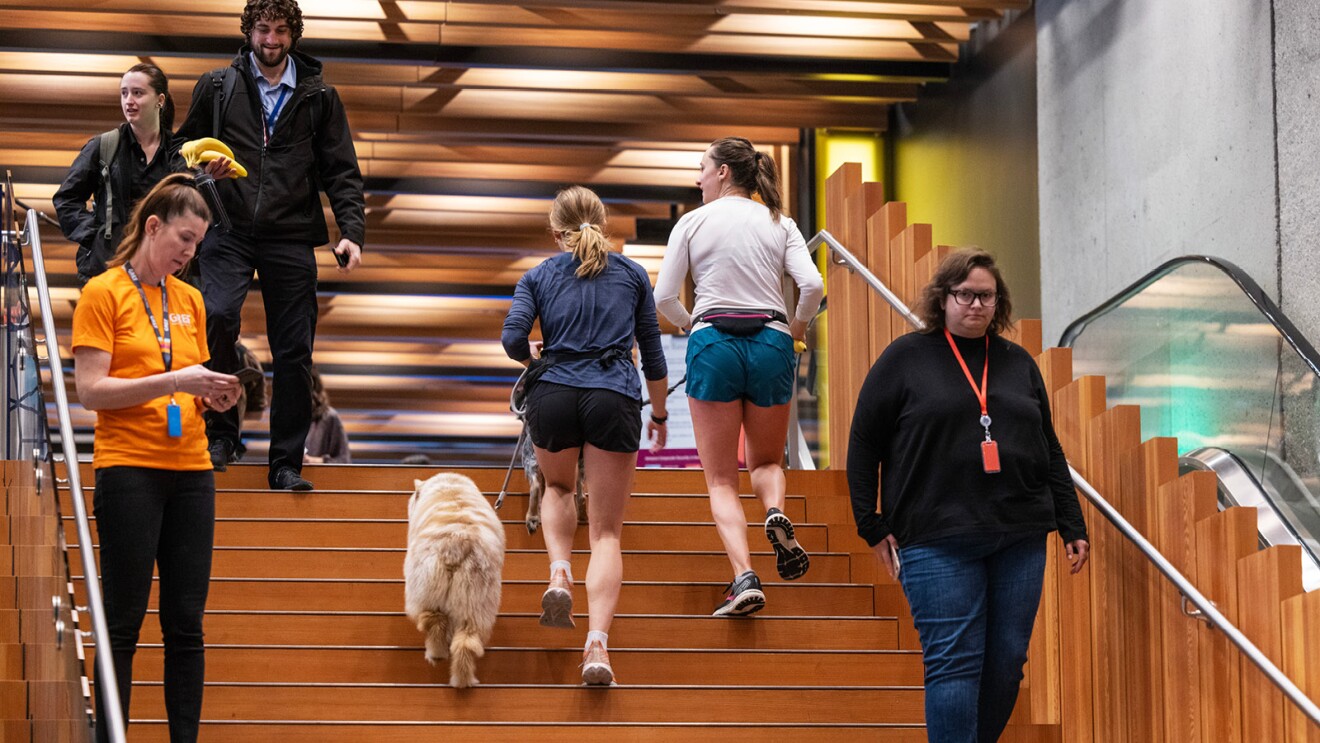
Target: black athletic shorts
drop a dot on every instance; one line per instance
(561, 417)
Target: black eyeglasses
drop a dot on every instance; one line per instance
(965, 297)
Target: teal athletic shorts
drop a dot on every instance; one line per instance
(724, 368)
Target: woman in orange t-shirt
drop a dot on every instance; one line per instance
(139, 342)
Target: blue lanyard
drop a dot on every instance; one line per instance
(275, 111)
(162, 338)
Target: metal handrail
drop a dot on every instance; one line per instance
(850, 261)
(1207, 611)
(109, 711)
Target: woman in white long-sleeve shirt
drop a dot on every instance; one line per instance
(740, 353)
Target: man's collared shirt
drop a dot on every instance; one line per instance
(271, 94)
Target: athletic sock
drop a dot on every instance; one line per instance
(597, 636)
(561, 565)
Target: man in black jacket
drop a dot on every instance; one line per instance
(288, 127)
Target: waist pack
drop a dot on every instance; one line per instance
(740, 322)
(538, 367)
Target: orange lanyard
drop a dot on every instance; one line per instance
(985, 375)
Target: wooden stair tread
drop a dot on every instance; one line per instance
(393, 533)
(764, 632)
(566, 704)
(393, 504)
(387, 562)
(489, 479)
(338, 594)
(522, 665)
(236, 731)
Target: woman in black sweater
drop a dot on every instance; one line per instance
(973, 481)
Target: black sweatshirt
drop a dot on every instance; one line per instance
(918, 417)
(280, 197)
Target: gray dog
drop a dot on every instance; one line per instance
(536, 486)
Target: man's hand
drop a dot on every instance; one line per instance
(354, 253)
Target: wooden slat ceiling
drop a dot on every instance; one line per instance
(468, 116)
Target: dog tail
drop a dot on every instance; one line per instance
(464, 650)
(459, 549)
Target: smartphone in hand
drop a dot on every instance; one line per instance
(341, 258)
(248, 375)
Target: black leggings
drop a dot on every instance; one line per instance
(163, 518)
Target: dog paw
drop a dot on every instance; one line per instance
(533, 523)
(459, 683)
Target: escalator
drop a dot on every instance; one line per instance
(1212, 361)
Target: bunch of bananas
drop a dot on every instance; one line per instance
(201, 151)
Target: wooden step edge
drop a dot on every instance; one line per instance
(395, 724)
(535, 615)
(543, 649)
(521, 582)
(542, 687)
(404, 521)
(515, 551)
(492, 494)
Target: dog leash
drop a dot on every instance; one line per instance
(517, 449)
(521, 412)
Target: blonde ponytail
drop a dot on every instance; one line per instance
(578, 217)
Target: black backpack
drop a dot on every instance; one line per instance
(222, 80)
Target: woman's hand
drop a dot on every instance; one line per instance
(658, 434)
(886, 550)
(1077, 551)
(218, 391)
(798, 330)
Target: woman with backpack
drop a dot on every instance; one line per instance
(115, 169)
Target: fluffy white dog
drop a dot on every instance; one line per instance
(452, 571)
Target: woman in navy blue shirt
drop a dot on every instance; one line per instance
(593, 304)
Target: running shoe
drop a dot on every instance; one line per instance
(790, 559)
(596, 670)
(743, 597)
(557, 602)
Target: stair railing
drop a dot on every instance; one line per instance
(1205, 610)
(109, 713)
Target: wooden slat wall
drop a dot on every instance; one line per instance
(39, 698)
(841, 185)
(1131, 666)
(1113, 658)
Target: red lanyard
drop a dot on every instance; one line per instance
(985, 373)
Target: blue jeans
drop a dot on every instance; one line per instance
(974, 600)
(163, 520)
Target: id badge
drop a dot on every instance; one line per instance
(990, 456)
(173, 420)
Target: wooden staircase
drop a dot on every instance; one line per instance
(306, 638)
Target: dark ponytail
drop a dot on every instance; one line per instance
(750, 170)
(161, 85)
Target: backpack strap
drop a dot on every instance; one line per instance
(109, 146)
(222, 80)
